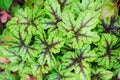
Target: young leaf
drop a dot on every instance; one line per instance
(4, 16)
(4, 60)
(30, 77)
(108, 10)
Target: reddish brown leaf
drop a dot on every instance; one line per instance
(4, 60)
(30, 77)
(108, 10)
(4, 16)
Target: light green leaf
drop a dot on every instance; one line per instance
(4, 76)
(78, 30)
(77, 62)
(52, 16)
(26, 19)
(48, 44)
(107, 51)
(101, 74)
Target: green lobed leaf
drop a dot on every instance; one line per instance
(107, 51)
(57, 73)
(4, 76)
(48, 44)
(20, 43)
(81, 6)
(78, 31)
(52, 15)
(26, 19)
(116, 65)
(101, 74)
(78, 62)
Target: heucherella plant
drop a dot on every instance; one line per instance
(60, 40)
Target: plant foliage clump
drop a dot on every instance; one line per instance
(61, 40)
